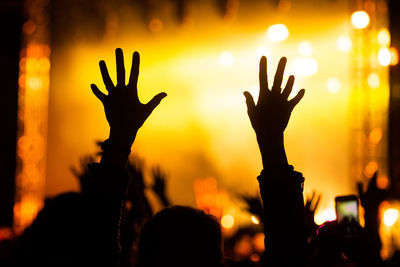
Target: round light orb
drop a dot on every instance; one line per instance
(384, 57)
(305, 49)
(384, 37)
(306, 66)
(360, 19)
(333, 85)
(390, 217)
(343, 43)
(373, 80)
(278, 32)
(227, 221)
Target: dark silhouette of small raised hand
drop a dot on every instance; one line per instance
(124, 112)
(158, 186)
(310, 207)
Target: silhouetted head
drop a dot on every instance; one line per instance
(181, 236)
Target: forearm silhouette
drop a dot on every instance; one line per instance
(280, 186)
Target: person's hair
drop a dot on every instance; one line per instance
(181, 236)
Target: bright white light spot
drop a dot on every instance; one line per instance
(226, 59)
(333, 85)
(255, 220)
(325, 215)
(384, 37)
(384, 57)
(344, 43)
(373, 80)
(360, 19)
(278, 32)
(227, 221)
(390, 217)
(305, 48)
(306, 66)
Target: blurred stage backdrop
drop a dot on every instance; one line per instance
(204, 54)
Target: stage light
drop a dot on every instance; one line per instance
(370, 169)
(306, 66)
(384, 57)
(360, 19)
(373, 80)
(278, 32)
(227, 221)
(375, 136)
(254, 219)
(390, 217)
(305, 48)
(226, 59)
(394, 56)
(333, 85)
(156, 25)
(343, 43)
(324, 216)
(384, 37)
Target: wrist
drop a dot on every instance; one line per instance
(122, 138)
(115, 153)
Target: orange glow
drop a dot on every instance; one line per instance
(394, 56)
(375, 136)
(227, 221)
(258, 242)
(255, 257)
(382, 182)
(31, 144)
(155, 25)
(370, 169)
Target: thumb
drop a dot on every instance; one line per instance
(249, 101)
(153, 103)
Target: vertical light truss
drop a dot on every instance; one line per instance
(32, 114)
(369, 97)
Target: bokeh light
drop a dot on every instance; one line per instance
(325, 215)
(333, 85)
(394, 56)
(360, 19)
(390, 217)
(384, 37)
(384, 57)
(254, 219)
(305, 49)
(227, 221)
(278, 32)
(373, 80)
(306, 66)
(344, 43)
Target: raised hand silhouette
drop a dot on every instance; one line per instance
(280, 186)
(160, 177)
(270, 116)
(124, 111)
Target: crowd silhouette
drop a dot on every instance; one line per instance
(111, 223)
